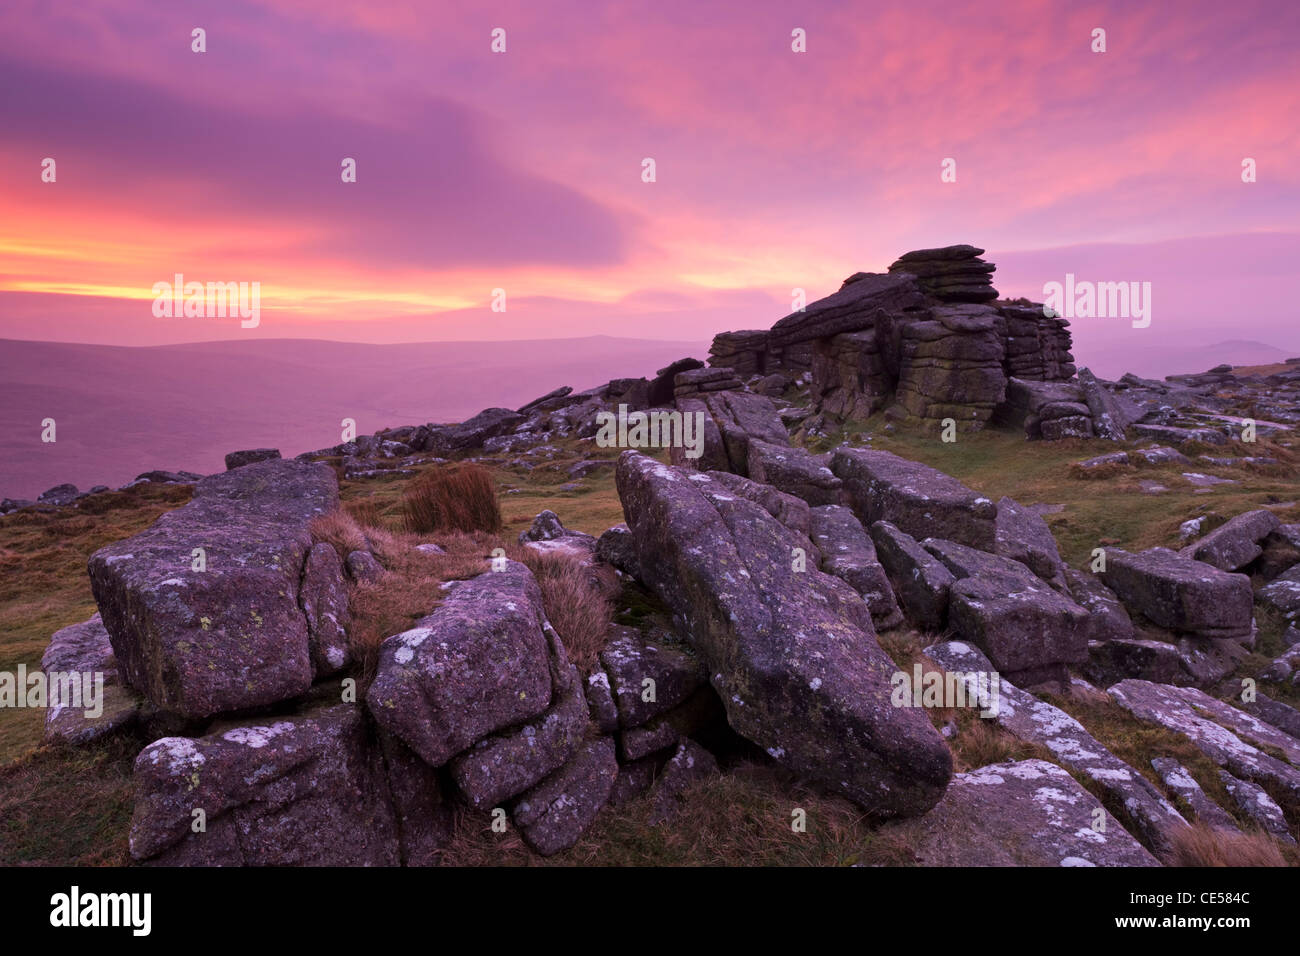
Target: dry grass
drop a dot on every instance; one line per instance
(1201, 845)
(741, 817)
(460, 497)
(578, 598)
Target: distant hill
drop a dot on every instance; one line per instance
(121, 411)
(1166, 358)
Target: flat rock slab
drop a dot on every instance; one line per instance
(1180, 594)
(1258, 805)
(1146, 813)
(1213, 727)
(848, 552)
(1236, 543)
(85, 698)
(553, 814)
(795, 471)
(300, 791)
(916, 498)
(792, 655)
(1184, 786)
(477, 664)
(1025, 813)
(233, 635)
(858, 305)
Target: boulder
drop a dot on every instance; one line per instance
(553, 814)
(479, 663)
(675, 672)
(1236, 543)
(1184, 786)
(1022, 535)
(1179, 594)
(1107, 618)
(507, 763)
(231, 636)
(1282, 594)
(78, 712)
(920, 581)
(1220, 731)
(792, 656)
(689, 763)
(324, 601)
(472, 433)
(289, 791)
(1023, 813)
(1255, 803)
(793, 470)
(858, 305)
(1027, 629)
(848, 553)
(1108, 418)
(915, 498)
(237, 459)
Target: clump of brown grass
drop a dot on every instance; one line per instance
(459, 497)
(578, 599)
(1200, 845)
(340, 530)
(366, 513)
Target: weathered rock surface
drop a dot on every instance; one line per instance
(915, 498)
(1255, 803)
(792, 656)
(1179, 594)
(1144, 810)
(1025, 813)
(302, 791)
(233, 635)
(630, 660)
(1002, 607)
(689, 763)
(793, 470)
(1022, 535)
(1107, 618)
(78, 662)
(1216, 729)
(1236, 543)
(479, 663)
(849, 554)
(324, 600)
(237, 459)
(553, 814)
(920, 581)
(1184, 786)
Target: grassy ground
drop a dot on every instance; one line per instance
(59, 805)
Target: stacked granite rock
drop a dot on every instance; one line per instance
(1037, 347)
(951, 366)
(744, 352)
(695, 381)
(950, 274)
(922, 338)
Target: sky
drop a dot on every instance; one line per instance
(523, 170)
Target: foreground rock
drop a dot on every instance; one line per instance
(553, 815)
(477, 664)
(303, 791)
(1029, 631)
(1217, 730)
(233, 635)
(848, 553)
(80, 659)
(1184, 786)
(791, 655)
(1237, 543)
(1026, 813)
(1145, 812)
